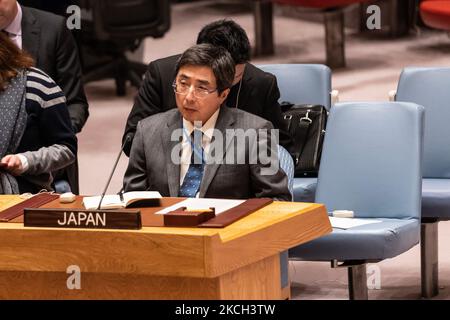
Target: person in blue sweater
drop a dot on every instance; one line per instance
(36, 135)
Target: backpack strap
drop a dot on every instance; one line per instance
(300, 136)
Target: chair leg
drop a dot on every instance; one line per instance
(263, 15)
(400, 17)
(99, 73)
(121, 78)
(138, 67)
(121, 84)
(335, 38)
(429, 259)
(357, 282)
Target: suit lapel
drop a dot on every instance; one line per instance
(31, 34)
(224, 121)
(173, 170)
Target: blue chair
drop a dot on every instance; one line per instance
(371, 165)
(303, 84)
(287, 165)
(430, 88)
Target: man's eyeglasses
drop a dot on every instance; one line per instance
(199, 92)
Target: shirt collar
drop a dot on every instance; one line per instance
(15, 27)
(207, 128)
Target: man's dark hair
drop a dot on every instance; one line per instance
(228, 34)
(217, 58)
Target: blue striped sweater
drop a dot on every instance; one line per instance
(48, 143)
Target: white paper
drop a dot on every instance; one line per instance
(112, 201)
(127, 196)
(347, 223)
(220, 205)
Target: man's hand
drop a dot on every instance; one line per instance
(12, 164)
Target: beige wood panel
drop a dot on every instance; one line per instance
(52, 285)
(188, 252)
(286, 292)
(266, 217)
(7, 201)
(300, 227)
(260, 280)
(54, 250)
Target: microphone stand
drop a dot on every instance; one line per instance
(112, 172)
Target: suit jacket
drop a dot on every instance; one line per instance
(259, 95)
(46, 38)
(151, 167)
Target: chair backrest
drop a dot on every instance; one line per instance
(287, 165)
(125, 19)
(371, 160)
(302, 83)
(430, 87)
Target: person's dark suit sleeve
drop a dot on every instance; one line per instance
(69, 78)
(148, 102)
(272, 112)
(136, 174)
(268, 180)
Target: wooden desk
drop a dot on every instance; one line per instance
(240, 261)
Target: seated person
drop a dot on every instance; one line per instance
(252, 90)
(36, 136)
(165, 158)
(46, 37)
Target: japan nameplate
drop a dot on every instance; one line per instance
(88, 219)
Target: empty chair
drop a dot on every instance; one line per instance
(118, 27)
(333, 11)
(303, 84)
(430, 88)
(436, 13)
(371, 165)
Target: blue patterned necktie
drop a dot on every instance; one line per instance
(193, 177)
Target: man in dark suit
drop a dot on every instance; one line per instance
(46, 38)
(197, 150)
(253, 90)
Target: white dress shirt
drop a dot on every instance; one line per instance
(186, 147)
(15, 28)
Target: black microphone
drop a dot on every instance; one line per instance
(125, 142)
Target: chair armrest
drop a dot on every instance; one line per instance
(392, 95)
(334, 97)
